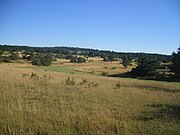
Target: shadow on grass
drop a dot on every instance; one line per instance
(129, 75)
(146, 87)
(155, 88)
(161, 112)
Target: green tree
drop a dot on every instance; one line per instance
(175, 67)
(81, 60)
(42, 60)
(77, 60)
(126, 61)
(111, 57)
(105, 58)
(146, 67)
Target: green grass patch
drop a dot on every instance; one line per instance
(62, 69)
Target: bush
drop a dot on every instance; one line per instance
(84, 81)
(39, 60)
(77, 60)
(5, 59)
(70, 81)
(81, 60)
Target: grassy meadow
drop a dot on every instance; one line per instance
(42, 101)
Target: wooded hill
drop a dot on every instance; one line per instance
(63, 50)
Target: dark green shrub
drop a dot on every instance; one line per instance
(81, 60)
(5, 59)
(175, 67)
(146, 67)
(77, 60)
(126, 61)
(39, 60)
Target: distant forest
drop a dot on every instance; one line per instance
(63, 50)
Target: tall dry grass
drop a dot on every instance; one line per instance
(46, 105)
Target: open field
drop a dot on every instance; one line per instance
(38, 101)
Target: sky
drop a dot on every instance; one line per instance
(151, 26)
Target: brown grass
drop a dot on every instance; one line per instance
(46, 105)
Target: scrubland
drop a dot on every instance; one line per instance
(39, 101)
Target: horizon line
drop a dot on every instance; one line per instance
(63, 45)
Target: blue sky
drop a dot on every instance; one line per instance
(120, 25)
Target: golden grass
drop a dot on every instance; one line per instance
(103, 68)
(45, 105)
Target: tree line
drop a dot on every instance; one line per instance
(148, 65)
(64, 51)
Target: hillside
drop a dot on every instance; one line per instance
(75, 98)
(78, 51)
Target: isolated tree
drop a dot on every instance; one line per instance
(146, 67)
(105, 58)
(81, 60)
(126, 61)
(175, 67)
(77, 60)
(111, 57)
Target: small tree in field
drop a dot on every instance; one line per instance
(126, 61)
(111, 57)
(105, 58)
(81, 60)
(78, 60)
